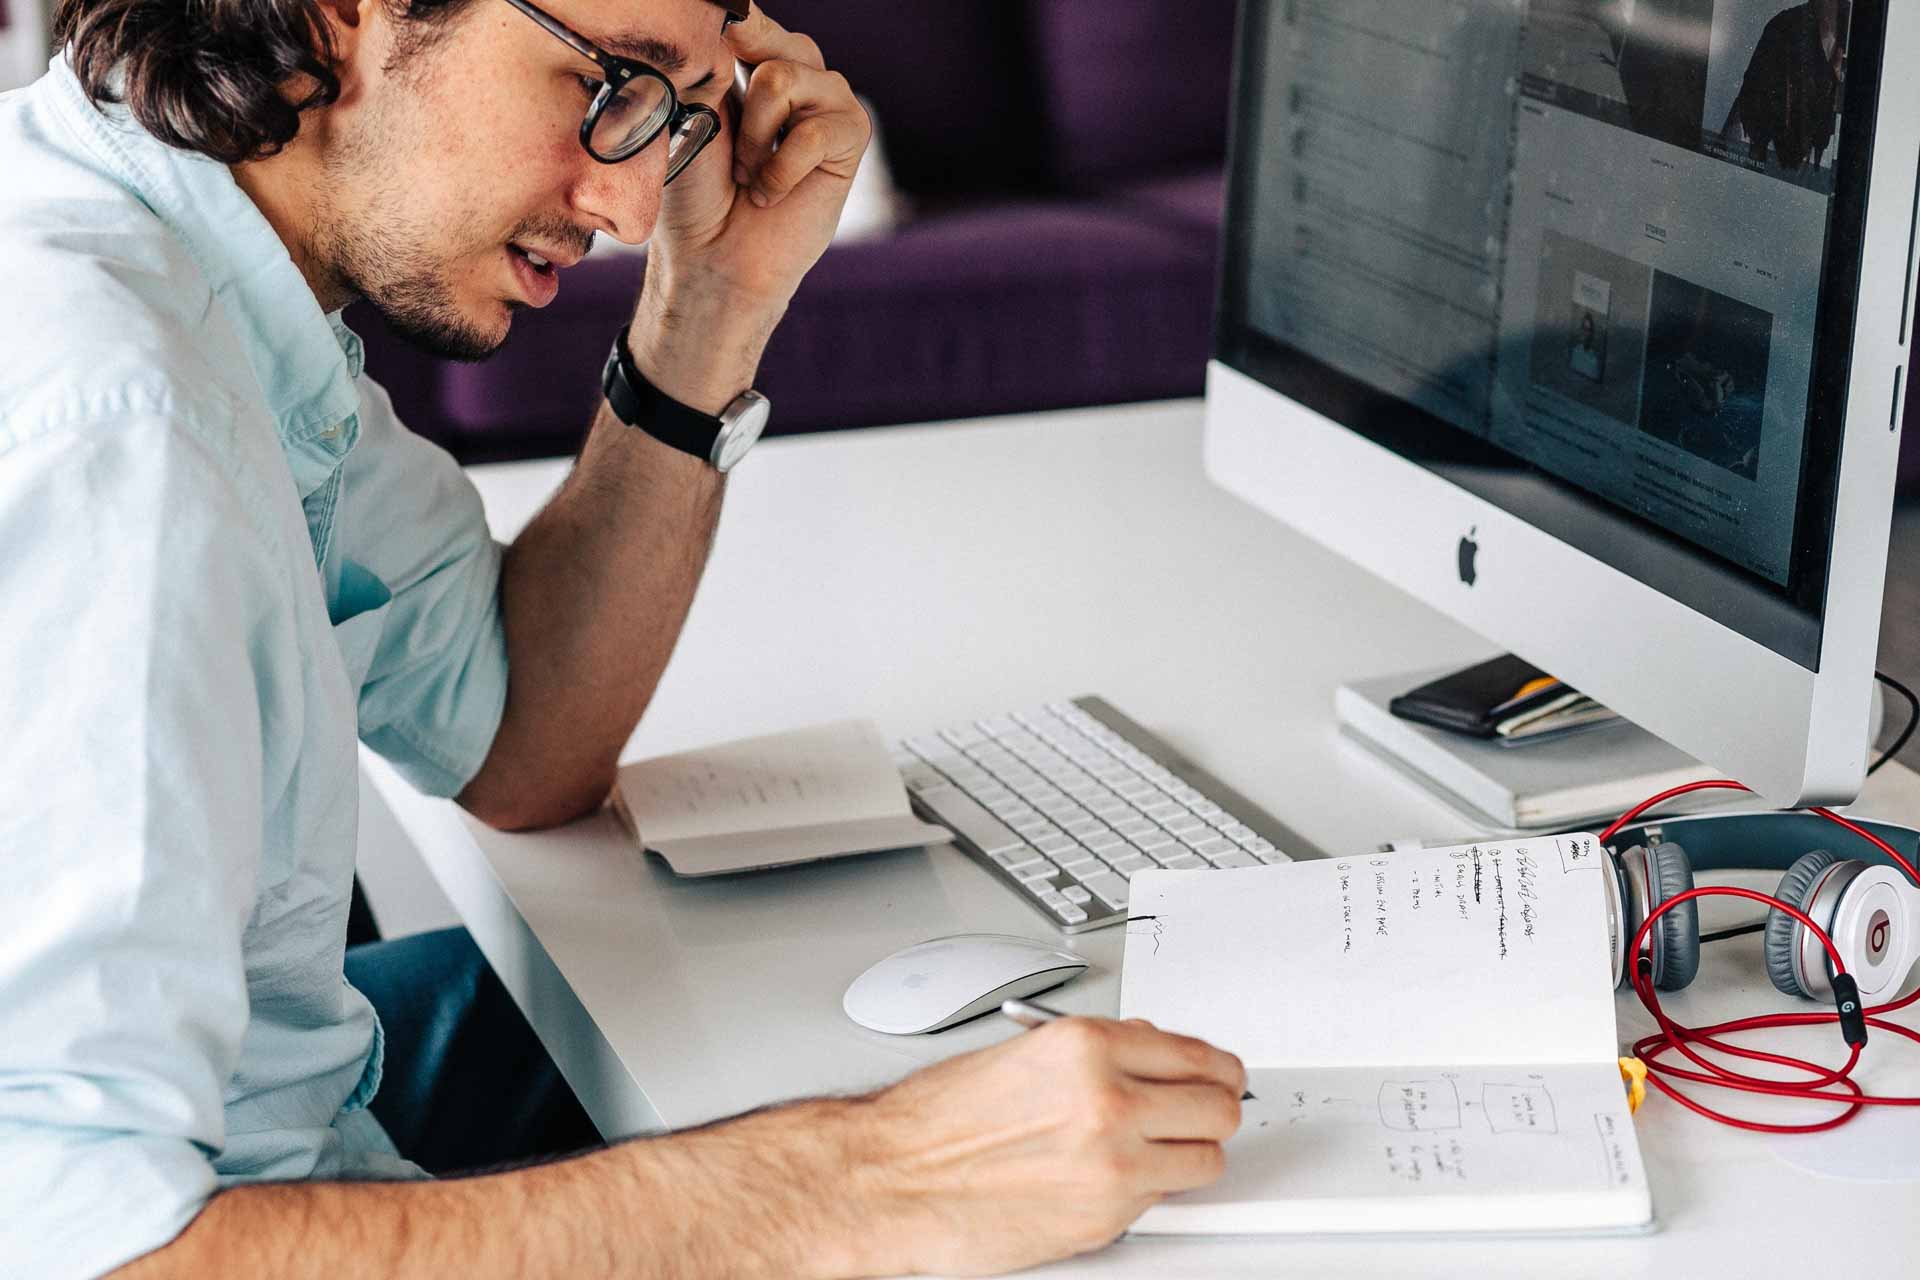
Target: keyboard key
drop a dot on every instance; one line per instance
(1155, 841)
(964, 737)
(1052, 897)
(1213, 848)
(1081, 828)
(1163, 810)
(1087, 868)
(1033, 827)
(1013, 810)
(1070, 914)
(1111, 806)
(1169, 853)
(1110, 889)
(1076, 894)
(1137, 788)
(1014, 857)
(1185, 825)
(957, 810)
(922, 778)
(1186, 795)
(992, 794)
(1227, 861)
(1133, 828)
(1104, 841)
(1258, 847)
(1187, 862)
(1273, 856)
(1051, 845)
(1139, 862)
(1210, 811)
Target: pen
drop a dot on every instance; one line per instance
(1031, 1015)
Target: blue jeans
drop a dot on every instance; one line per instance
(467, 1085)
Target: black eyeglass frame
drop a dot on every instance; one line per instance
(617, 73)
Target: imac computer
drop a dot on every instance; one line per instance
(1586, 323)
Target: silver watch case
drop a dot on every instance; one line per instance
(741, 424)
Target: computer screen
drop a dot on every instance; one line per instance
(1590, 259)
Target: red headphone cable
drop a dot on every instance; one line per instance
(1672, 1037)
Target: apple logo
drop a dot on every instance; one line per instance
(1467, 551)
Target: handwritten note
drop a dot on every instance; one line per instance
(1464, 1138)
(1479, 954)
(828, 773)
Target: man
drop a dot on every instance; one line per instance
(1791, 90)
(223, 560)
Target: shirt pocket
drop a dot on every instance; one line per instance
(359, 614)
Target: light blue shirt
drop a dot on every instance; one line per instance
(222, 560)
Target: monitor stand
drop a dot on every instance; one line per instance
(1589, 776)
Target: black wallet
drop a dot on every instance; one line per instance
(1479, 699)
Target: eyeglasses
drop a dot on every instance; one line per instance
(632, 105)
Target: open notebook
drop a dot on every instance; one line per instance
(825, 791)
(1429, 1036)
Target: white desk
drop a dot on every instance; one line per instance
(925, 575)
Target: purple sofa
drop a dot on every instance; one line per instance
(1064, 160)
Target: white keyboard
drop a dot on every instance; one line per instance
(1066, 802)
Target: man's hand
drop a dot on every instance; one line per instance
(741, 227)
(1044, 1146)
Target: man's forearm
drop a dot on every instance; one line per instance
(596, 589)
(773, 1194)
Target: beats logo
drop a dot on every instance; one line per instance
(1877, 931)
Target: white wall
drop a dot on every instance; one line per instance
(23, 43)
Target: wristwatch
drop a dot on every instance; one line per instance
(721, 441)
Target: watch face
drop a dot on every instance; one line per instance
(746, 418)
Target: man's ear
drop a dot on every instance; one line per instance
(347, 31)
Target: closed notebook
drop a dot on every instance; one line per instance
(821, 792)
(1429, 1037)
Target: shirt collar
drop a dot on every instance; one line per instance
(305, 360)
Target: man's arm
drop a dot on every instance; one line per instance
(595, 591)
(1044, 1146)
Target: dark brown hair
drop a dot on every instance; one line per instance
(212, 76)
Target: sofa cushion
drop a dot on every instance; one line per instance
(952, 81)
(1023, 306)
(1132, 86)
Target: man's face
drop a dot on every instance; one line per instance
(446, 163)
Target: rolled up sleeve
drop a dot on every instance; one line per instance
(434, 693)
(132, 772)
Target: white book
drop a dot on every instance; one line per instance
(1429, 1037)
(1597, 772)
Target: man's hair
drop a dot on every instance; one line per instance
(213, 75)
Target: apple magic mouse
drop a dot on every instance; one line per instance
(937, 983)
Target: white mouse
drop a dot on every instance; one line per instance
(935, 984)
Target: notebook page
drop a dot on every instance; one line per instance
(1441, 1149)
(815, 776)
(1482, 954)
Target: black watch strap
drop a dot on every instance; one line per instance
(639, 403)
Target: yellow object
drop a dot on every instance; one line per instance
(1533, 686)
(1634, 1072)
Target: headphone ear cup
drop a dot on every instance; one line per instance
(1675, 935)
(1781, 937)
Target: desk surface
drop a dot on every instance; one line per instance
(921, 576)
